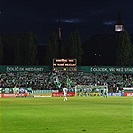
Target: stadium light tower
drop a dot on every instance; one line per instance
(119, 27)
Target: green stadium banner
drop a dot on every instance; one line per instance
(89, 69)
(106, 69)
(25, 68)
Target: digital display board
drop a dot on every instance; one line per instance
(64, 64)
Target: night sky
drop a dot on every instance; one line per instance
(41, 16)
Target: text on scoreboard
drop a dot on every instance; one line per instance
(65, 63)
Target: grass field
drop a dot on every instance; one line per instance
(77, 115)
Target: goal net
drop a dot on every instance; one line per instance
(85, 90)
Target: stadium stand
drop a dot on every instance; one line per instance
(50, 80)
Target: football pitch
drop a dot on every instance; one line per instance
(77, 115)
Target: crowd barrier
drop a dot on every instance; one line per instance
(55, 93)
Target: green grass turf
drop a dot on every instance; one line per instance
(77, 115)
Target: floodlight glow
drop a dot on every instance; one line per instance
(119, 28)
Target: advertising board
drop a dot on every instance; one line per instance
(60, 94)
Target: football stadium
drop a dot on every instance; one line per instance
(81, 82)
(99, 99)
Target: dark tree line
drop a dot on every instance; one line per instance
(58, 49)
(124, 49)
(108, 49)
(105, 49)
(22, 49)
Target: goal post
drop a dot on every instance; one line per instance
(90, 90)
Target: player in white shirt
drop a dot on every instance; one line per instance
(65, 93)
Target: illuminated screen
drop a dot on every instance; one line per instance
(64, 64)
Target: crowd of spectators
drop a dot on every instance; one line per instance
(51, 80)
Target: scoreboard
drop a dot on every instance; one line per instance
(64, 64)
